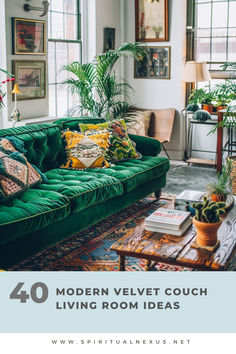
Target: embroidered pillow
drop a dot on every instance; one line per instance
(86, 150)
(16, 173)
(120, 147)
(139, 124)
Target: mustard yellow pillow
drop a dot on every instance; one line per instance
(120, 147)
(86, 151)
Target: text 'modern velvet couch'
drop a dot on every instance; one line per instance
(72, 200)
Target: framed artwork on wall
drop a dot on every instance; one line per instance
(151, 20)
(28, 36)
(31, 78)
(109, 39)
(156, 65)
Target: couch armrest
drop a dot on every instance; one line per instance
(146, 146)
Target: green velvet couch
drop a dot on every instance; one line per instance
(71, 200)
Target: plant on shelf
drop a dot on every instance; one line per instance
(224, 94)
(207, 221)
(218, 191)
(2, 94)
(207, 99)
(196, 96)
(99, 89)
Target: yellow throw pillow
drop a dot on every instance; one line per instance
(86, 151)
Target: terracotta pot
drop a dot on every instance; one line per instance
(208, 107)
(206, 233)
(220, 107)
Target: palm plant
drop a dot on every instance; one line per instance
(100, 91)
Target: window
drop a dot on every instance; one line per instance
(213, 26)
(64, 47)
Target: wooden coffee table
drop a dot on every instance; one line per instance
(158, 247)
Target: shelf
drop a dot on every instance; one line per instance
(201, 161)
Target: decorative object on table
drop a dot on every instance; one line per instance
(15, 116)
(156, 65)
(28, 36)
(43, 9)
(191, 107)
(98, 88)
(185, 199)
(207, 221)
(109, 39)
(170, 221)
(16, 173)
(86, 151)
(120, 146)
(201, 115)
(207, 100)
(219, 191)
(151, 20)
(31, 77)
(2, 94)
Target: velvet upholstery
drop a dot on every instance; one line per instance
(71, 200)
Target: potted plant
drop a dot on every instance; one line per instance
(218, 191)
(207, 99)
(207, 221)
(224, 94)
(157, 30)
(99, 89)
(195, 99)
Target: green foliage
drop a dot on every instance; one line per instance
(196, 96)
(225, 93)
(222, 188)
(2, 94)
(209, 212)
(100, 91)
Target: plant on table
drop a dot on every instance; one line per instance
(218, 191)
(207, 221)
(99, 89)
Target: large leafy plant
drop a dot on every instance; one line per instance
(101, 92)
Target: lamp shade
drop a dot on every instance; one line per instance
(196, 71)
(16, 89)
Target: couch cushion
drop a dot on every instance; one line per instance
(32, 210)
(83, 188)
(136, 172)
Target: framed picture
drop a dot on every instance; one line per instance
(31, 78)
(151, 20)
(28, 36)
(109, 39)
(155, 66)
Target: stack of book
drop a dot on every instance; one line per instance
(169, 221)
(185, 200)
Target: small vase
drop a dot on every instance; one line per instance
(206, 232)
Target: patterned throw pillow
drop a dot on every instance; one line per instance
(139, 124)
(121, 147)
(16, 173)
(86, 150)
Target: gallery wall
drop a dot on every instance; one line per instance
(28, 108)
(162, 93)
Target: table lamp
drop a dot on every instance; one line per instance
(15, 116)
(196, 72)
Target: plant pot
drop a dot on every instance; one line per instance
(206, 233)
(208, 108)
(219, 108)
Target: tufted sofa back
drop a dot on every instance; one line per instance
(42, 142)
(73, 123)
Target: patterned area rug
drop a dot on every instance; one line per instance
(89, 250)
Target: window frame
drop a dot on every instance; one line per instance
(63, 40)
(191, 37)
